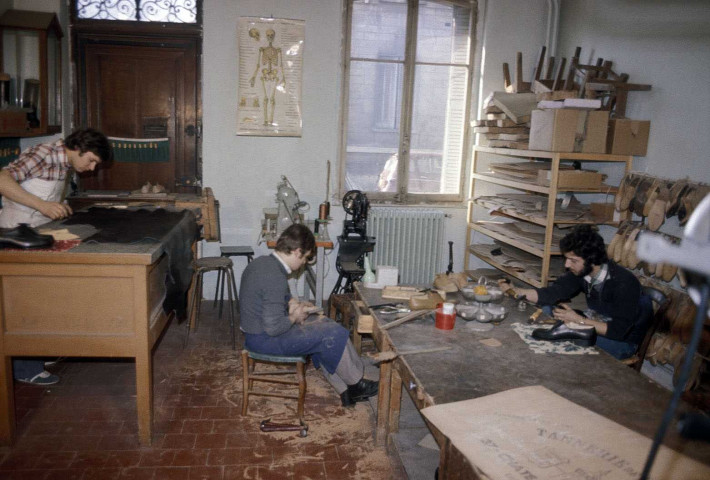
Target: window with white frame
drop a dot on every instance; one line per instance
(406, 98)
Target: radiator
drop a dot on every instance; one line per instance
(409, 239)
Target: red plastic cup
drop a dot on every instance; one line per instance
(444, 321)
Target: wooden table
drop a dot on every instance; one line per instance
(470, 370)
(94, 300)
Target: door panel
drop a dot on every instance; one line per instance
(140, 89)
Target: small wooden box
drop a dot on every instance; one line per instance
(572, 179)
(628, 137)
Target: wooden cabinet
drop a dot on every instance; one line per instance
(31, 66)
(526, 244)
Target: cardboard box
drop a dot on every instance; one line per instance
(569, 130)
(628, 137)
(604, 212)
(583, 179)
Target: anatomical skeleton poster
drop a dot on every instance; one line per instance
(270, 76)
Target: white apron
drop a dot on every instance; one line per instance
(14, 213)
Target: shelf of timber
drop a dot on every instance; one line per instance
(531, 256)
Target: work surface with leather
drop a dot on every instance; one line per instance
(472, 368)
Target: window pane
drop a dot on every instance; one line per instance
(171, 11)
(378, 29)
(443, 33)
(373, 126)
(437, 140)
(106, 9)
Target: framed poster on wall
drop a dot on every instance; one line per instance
(270, 76)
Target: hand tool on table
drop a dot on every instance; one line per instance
(380, 357)
(268, 426)
(406, 318)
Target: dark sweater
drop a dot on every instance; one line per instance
(263, 297)
(618, 300)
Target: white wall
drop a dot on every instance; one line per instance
(662, 43)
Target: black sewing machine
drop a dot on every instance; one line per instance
(353, 242)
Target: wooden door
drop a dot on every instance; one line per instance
(142, 87)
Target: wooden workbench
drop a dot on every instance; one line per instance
(470, 369)
(94, 300)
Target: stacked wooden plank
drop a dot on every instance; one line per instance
(505, 121)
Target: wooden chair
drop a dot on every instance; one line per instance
(661, 303)
(249, 360)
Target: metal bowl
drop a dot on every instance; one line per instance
(467, 292)
(466, 311)
(497, 312)
(496, 294)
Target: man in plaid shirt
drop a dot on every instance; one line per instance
(32, 188)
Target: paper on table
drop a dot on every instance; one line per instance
(60, 234)
(531, 432)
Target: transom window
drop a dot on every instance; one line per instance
(406, 98)
(165, 11)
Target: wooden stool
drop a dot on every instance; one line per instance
(223, 266)
(249, 360)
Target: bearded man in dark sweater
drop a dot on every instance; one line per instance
(617, 310)
(275, 323)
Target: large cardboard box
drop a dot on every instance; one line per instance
(569, 130)
(628, 137)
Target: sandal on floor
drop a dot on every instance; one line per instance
(44, 378)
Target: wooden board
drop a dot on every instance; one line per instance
(517, 106)
(501, 130)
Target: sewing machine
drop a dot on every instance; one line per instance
(289, 210)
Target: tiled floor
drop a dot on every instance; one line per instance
(85, 427)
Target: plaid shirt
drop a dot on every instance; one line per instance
(47, 161)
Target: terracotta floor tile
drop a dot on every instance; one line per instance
(96, 473)
(309, 471)
(179, 440)
(123, 459)
(157, 458)
(90, 460)
(240, 472)
(197, 426)
(208, 473)
(51, 460)
(136, 473)
(65, 474)
(190, 457)
(172, 473)
(210, 440)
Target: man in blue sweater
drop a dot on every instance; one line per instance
(276, 323)
(617, 310)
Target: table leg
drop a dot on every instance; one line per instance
(383, 401)
(144, 396)
(395, 403)
(7, 402)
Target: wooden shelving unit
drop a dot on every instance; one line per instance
(548, 248)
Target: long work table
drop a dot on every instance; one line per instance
(91, 300)
(471, 369)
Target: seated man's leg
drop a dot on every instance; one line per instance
(617, 349)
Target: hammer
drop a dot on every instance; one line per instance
(267, 426)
